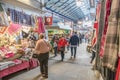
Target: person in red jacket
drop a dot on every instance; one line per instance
(62, 43)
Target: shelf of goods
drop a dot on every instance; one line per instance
(59, 32)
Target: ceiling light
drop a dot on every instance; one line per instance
(79, 2)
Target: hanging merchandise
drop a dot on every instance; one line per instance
(101, 26)
(96, 25)
(13, 28)
(41, 28)
(32, 21)
(96, 28)
(3, 17)
(118, 71)
(118, 68)
(20, 17)
(119, 29)
(98, 11)
(94, 40)
(108, 7)
(14, 15)
(112, 38)
(48, 20)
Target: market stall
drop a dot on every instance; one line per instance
(18, 34)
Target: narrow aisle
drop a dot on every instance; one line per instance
(78, 69)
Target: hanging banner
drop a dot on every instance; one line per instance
(48, 20)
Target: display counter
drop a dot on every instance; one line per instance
(15, 68)
(26, 64)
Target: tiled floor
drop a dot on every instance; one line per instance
(78, 69)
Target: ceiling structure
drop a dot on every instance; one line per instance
(68, 9)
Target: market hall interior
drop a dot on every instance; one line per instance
(59, 39)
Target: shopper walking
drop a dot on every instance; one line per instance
(68, 39)
(83, 37)
(74, 42)
(86, 38)
(55, 47)
(42, 48)
(80, 38)
(62, 43)
(93, 53)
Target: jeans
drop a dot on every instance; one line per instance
(73, 48)
(43, 59)
(55, 51)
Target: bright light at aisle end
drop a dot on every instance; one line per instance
(79, 2)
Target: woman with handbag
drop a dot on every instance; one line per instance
(62, 43)
(42, 48)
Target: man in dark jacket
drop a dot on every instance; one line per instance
(74, 42)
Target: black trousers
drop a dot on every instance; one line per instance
(80, 40)
(43, 59)
(55, 51)
(73, 53)
(93, 56)
(62, 55)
